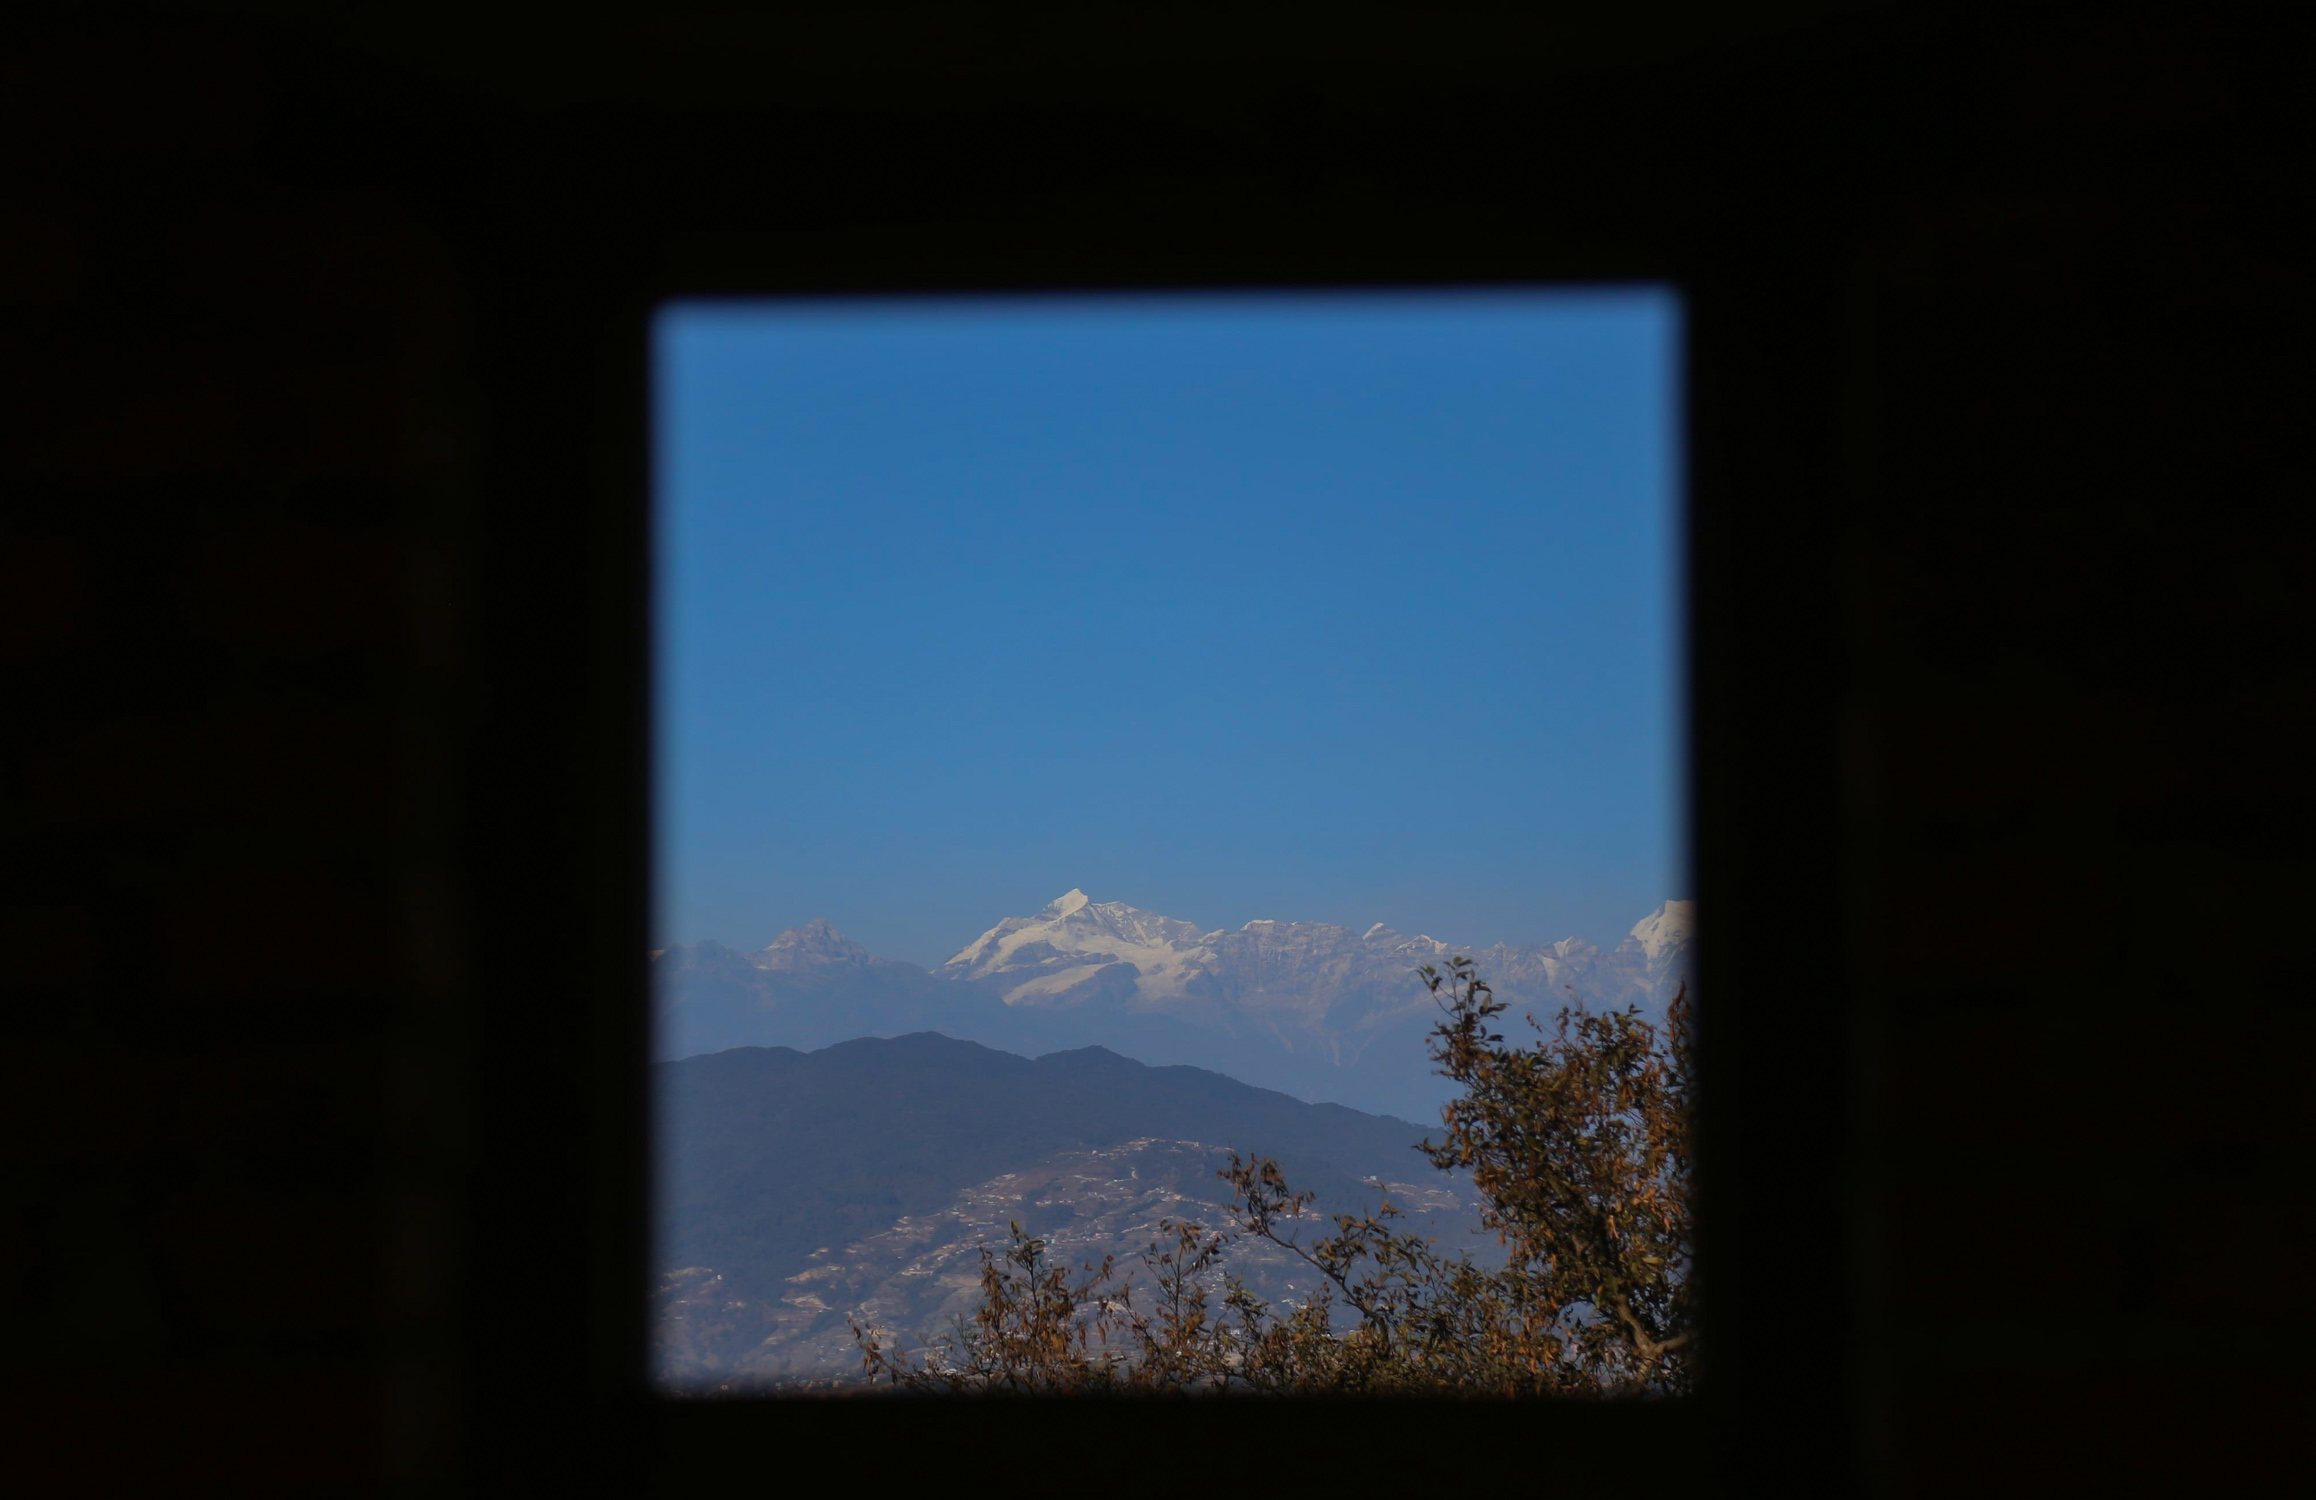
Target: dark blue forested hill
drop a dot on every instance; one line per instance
(767, 1154)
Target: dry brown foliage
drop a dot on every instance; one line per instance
(1579, 1145)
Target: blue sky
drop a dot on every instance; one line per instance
(1332, 608)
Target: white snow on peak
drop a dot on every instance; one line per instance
(1076, 949)
(1073, 938)
(1669, 925)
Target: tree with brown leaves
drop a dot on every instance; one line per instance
(1579, 1146)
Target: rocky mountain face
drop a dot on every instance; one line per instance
(911, 1280)
(1318, 1010)
(816, 947)
(796, 1188)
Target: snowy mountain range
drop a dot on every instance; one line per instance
(1314, 1009)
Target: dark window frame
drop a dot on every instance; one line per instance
(361, 296)
(564, 352)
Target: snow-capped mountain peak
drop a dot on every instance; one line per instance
(1077, 947)
(1271, 973)
(1668, 927)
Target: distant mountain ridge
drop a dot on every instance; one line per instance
(1311, 1008)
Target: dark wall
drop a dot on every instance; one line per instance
(2074, 762)
(321, 619)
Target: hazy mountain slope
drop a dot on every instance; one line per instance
(909, 1279)
(811, 987)
(767, 1155)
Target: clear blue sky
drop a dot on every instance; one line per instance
(1334, 608)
